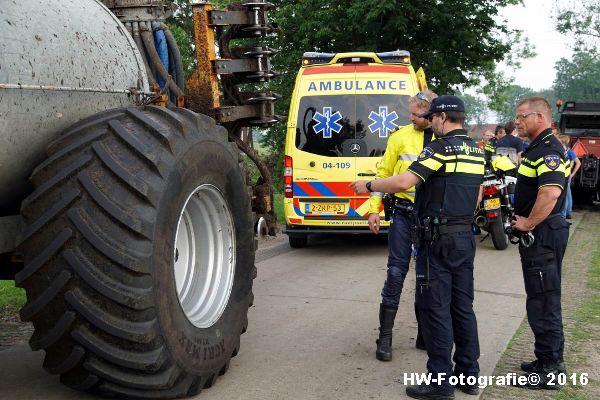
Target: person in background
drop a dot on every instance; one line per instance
(509, 127)
(490, 146)
(403, 147)
(510, 141)
(571, 169)
(487, 135)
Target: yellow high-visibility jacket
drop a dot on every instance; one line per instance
(403, 147)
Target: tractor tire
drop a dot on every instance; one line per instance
(139, 254)
(499, 236)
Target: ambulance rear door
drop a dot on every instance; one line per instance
(325, 147)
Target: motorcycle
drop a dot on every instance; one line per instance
(496, 209)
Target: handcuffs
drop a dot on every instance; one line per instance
(515, 237)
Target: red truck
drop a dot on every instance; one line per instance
(581, 121)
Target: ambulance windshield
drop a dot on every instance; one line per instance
(343, 125)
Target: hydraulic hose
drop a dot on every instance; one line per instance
(140, 45)
(148, 40)
(160, 42)
(177, 60)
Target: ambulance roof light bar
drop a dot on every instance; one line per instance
(396, 57)
(311, 57)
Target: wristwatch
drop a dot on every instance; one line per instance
(368, 185)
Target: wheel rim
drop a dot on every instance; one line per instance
(204, 255)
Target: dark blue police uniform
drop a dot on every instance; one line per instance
(452, 169)
(543, 164)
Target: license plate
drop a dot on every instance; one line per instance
(325, 208)
(491, 204)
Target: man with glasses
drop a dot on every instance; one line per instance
(403, 147)
(449, 172)
(539, 197)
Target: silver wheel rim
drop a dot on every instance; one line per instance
(204, 255)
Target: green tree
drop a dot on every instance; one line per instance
(578, 79)
(505, 103)
(581, 19)
(476, 109)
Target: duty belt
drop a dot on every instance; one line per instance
(403, 204)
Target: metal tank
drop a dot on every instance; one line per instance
(53, 74)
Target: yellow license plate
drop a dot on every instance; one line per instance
(491, 204)
(325, 208)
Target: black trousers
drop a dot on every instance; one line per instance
(542, 264)
(444, 295)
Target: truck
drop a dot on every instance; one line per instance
(126, 213)
(581, 121)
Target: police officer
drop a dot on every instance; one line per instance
(539, 197)
(451, 170)
(403, 147)
(490, 146)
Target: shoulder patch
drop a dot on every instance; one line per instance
(552, 161)
(425, 154)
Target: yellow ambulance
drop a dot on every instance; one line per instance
(343, 109)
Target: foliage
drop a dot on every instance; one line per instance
(11, 297)
(578, 79)
(581, 19)
(476, 109)
(505, 101)
(185, 47)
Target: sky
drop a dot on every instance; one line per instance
(537, 23)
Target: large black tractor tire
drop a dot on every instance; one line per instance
(100, 253)
(499, 236)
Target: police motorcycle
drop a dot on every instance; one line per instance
(495, 212)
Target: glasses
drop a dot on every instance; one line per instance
(430, 118)
(521, 117)
(421, 96)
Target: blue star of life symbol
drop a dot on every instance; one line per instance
(327, 122)
(383, 122)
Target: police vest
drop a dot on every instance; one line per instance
(403, 148)
(490, 148)
(452, 170)
(543, 164)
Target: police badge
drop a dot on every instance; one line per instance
(552, 161)
(425, 154)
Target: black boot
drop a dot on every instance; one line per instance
(530, 366)
(429, 392)
(419, 342)
(387, 314)
(542, 376)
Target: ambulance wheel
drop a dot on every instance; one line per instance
(139, 254)
(298, 241)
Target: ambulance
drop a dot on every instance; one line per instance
(343, 109)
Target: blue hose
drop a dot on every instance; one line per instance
(163, 52)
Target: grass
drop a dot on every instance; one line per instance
(585, 328)
(581, 318)
(278, 200)
(11, 297)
